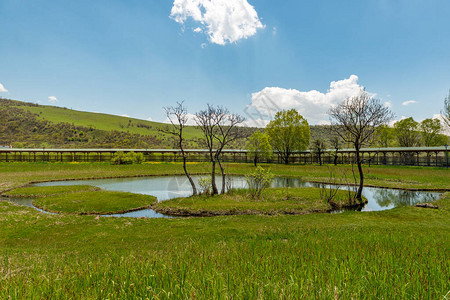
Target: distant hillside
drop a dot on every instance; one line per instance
(31, 125)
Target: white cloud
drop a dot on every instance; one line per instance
(406, 103)
(392, 122)
(125, 115)
(52, 99)
(445, 129)
(324, 122)
(197, 30)
(313, 105)
(149, 119)
(190, 120)
(260, 123)
(388, 104)
(2, 89)
(224, 21)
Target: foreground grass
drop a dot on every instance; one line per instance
(403, 253)
(294, 201)
(94, 202)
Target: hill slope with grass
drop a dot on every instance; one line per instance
(31, 125)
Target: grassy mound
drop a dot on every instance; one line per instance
(45, 191)
(274, 201)
(94, 203)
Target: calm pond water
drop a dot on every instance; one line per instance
(169, 187)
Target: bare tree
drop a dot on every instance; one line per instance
(219, 128)
(336, 145)
(359, 117)
(227, 132)
(177, 116)
(446, 110)
(318, 147)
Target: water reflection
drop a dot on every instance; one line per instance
(170, 187)
(386, 198)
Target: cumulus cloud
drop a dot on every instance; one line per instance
(249, 122)
(388, 104)
(224, 21)
(313, 105)
(52, 99)
(125, 115)
(440, 117)
(406, 103)
(2, 89)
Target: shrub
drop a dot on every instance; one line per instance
(138, 158)
(121, 158)
(258, 180)
(205, 185)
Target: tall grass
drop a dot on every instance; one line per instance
(360, 262)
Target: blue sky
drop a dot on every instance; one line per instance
(134, 57)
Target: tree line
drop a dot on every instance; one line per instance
(358, 122)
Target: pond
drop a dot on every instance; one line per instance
(169, 187)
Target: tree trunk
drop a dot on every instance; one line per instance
(255, 160)
(213, 179)
(335, 159)
(361, 175)
(223, 176)
(191, 181)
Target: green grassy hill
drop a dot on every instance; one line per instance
(31, 125)
(102, 121)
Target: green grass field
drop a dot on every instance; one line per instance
(403, 253)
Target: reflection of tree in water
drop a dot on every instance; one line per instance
(397, 198)
(288, 182)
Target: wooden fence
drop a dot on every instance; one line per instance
(422, 156)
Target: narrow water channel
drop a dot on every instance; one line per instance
(169, 187)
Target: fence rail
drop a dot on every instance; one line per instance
(423, 156)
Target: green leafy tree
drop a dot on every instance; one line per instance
(385, 136)
(259, 147)
(407, 132)
(288, 132)
(430, 130)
